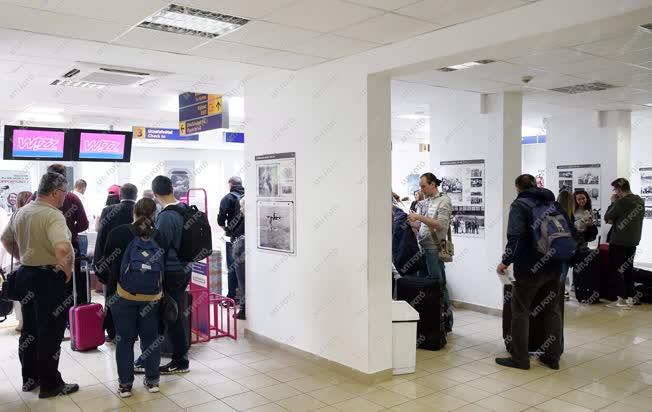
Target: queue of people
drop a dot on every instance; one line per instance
(136, 256)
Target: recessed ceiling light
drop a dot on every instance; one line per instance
(193, 22)
(413, 116)
(648, 104)
(466, 65)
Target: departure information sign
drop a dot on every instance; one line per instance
(201, 112)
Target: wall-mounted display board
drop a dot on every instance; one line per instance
(181, 172)
(12, 182)
(646, 190)
(575, 178)
(276, 201)
(464, 181)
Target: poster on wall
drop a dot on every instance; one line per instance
(412, 184)
(181, 172)
(646, 190)
(12, 182)
(464, 182)
(275, 199)
(585, 177)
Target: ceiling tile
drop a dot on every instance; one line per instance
(618, 46)
(241, 8)
(287, 60)
(231, 51)
(551, 59)
(385, 4)
(446, 12)
(387, 28)
(441, 79)
(596, 64)
(159, 40)
(331, 46)
(627, 76)
(271, 35)
(21, 18)
(9, 66)
(321, 15)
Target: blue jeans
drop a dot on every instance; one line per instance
(132, 319)
(435, 269)
(232, 277)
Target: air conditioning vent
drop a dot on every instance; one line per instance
(93, 76)
(584, 88)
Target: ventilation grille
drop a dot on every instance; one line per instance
(584, 88)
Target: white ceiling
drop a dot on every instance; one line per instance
(622, 59)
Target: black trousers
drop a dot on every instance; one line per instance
(525, 291)
(80, 278)
(621, 268)
(176, 284)
(45, 304)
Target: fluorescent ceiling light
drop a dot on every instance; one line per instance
(194, 22)
(466, 65)
(648, 104)
(413, 116)
(82, 84)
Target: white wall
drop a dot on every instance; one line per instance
(407, 160)
(534, 159)
(641, 156)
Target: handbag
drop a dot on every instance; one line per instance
(446, 246)
(591, 233)
(6, 305)
(8, 291)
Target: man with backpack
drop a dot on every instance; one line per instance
(171, 223)
(539, 239)
(231, 220)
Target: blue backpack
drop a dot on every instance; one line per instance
(142, 266)
(552, 235)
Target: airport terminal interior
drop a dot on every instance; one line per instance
(328, 112)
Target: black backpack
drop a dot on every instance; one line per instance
(196, 238)
(406, 255)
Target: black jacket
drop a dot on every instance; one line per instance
(229, 215)
(112, 216)
(520, 249)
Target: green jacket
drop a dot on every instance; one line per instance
(627, 214)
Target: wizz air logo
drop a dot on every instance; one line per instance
(101, 146)
(38, 144)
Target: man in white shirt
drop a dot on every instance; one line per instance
(79, 190)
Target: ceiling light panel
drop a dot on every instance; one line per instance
(193, 22)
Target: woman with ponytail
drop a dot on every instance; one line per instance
(136, 268)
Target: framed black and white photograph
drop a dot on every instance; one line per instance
(646, 190)
(451, 185)
(276, 226)
(287, 190)
(476, 194)
(181, 173)
(566, 185)
(268, 180)
(588, 179)
(476, 200)
(468, 221)
(475, 182)
(476, 172)
(566, 174)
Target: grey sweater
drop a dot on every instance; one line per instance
(627, 214)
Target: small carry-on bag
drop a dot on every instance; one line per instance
(587, 275)
(185, 311)
(85, 320)
(608, 281)
(426, 297)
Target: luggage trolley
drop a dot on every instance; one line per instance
(213, 315)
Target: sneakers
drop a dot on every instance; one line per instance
(151, 387)
(65, 389)
(241, 315)
(567, 296)
(124, 391)
(139, 368)
(175, 366)
(621, 304)
(511, 363)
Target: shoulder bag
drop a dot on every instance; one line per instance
(446, 246)
(8, 291)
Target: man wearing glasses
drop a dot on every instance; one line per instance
(38, 236)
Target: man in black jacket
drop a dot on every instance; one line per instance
(232, 221)
(112, 216)
(535, 276)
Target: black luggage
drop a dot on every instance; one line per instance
(426, 297)
(643, 285)
(537, 335)
(185, 311)
(587, 275)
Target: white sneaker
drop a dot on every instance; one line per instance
(620, 304)
(630, 302)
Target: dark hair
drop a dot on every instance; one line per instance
(23, 198)
(112, 200)
(144, 216)
(51, 182)
(589, 205)
(81, 183)
(430, 178)
(162, 185)
(128, 191)
(57, 168)
(622, 184)
(525, 182)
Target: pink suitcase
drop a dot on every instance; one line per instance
(86, 320)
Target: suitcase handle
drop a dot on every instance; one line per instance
(80, 258)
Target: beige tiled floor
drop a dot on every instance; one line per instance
(607, 366)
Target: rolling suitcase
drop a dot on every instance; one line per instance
(643, 285)
(85, 320)
(426, 297)
(587, 276)
(186, 302)
(608, 282)
(537, 335)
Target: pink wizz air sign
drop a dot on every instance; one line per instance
(101, 145)
(38, 143)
